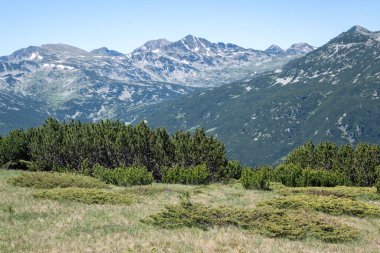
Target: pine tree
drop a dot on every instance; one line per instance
(325, 155)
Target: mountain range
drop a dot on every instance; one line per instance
(70, 83)
(261, 104)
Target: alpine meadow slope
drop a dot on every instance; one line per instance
(330, 94)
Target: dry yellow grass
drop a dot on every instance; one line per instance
(28, 224)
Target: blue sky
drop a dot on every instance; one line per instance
(125, 25)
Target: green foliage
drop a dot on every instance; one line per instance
(302, 156)
(293, 175)
(54, 179)
(123, 176)
(321, 177)
(79, 146)
(88, 196)
(325, 155)
(357, 165)
(271, 222)
(327, 204)
(13, 148)
(366, 158)
(288, 174)
(377, 185)
(257, 178)
(178, 175)
(28, 165)
(191, 150)
(232, 170)
(355, 193)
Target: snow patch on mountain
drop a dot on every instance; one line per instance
(284, 81)
(126, 94)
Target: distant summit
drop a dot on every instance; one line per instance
(300, 49)
(105, 52)
(275, 50)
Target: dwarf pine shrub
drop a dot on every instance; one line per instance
(355, 193)
(177, 175)
(288, 174)
(378, 186)
(268, 221)
(321, 177)
(293, 175)
(232, 170)
(123, 176)
(258, 178)
(326, 204)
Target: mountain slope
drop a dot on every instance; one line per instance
(332, 93)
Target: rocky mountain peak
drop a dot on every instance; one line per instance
(275, 50)
(105, 52)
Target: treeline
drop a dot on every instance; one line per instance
(76, 146)
(359, 165)
(137, 152)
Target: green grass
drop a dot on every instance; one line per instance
(46, 180)
(88, 196)
(29, 224)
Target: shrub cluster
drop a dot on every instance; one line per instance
(111, 144)
(258, 178)
(357, 164)
(355, 193)
(326, 204)
(294, 176)
(123, 176)
(88, 196)
(178, 175)
(54, 179)
(377, 185)
(267, 221)
(232, 170)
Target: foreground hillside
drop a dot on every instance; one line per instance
(330, 94)
(29, 224)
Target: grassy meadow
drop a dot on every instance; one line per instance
(109, 218)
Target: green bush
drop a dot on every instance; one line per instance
(195, 175)
(326, 204)
(321, 177)
(267, 221)
(55, 179)
(355, 193)
(88, 196)
(123, 176)
(79, 146)
(357, 164)
(377, 184)
(232, 170)
(288, 174)
(258, 178)
(294, 176)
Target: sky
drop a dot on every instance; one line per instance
(124, 25)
